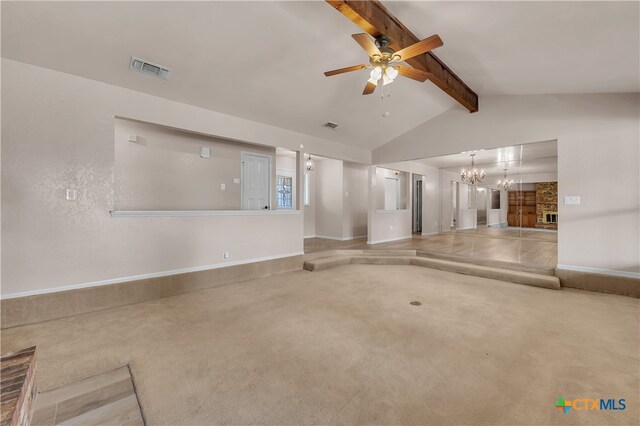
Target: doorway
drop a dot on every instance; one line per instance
(417, 203)
(481, 206)
(256, 181)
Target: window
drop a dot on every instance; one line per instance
(284, 186)
(307, 189)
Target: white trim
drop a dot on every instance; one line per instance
(388, 240)
(309, 236)
(147, 276)
(591, 270)
(193, 213)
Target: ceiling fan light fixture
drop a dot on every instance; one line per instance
(376, 74)
(391, 73)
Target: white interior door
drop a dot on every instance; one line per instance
(256, 178)
(391, 194)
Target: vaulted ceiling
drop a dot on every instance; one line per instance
(265, 60)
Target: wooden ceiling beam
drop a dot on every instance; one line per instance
(375, 19)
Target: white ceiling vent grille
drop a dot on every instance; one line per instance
(150, 68)
(331, 125)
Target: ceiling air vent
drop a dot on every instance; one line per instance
(147, 67)
(331, 125)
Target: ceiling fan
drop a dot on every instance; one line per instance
(383, 60)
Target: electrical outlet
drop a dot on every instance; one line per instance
(225, 255)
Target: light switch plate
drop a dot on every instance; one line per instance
(205, 152)
(223, 187)
(133, 138)
(71, 195)
(572, 199)
(236, 180)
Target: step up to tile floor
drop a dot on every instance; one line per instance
(105, 399)
(538, 277)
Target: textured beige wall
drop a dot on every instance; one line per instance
(310, 210)
(598, 159)
(163, 169)
(329, 199)
(355, 200)
(384, 225)
(58, 133)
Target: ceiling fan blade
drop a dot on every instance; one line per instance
(412, 73)
(364, 40)
(369, 88)
(420, 47)
(343, 70)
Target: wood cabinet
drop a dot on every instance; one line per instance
(522, 209)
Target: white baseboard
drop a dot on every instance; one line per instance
(325, 237)
(309, 236)
(146, 276)
(430, 233)
(601, 271)
(390, 240)
(339, 239)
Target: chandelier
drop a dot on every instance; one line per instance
(505, 184)
(310, 165)
(472, 176)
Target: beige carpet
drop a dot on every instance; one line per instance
(344, 346)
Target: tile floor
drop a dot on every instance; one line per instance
(503, 244)
(107, 398)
